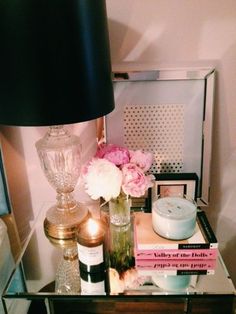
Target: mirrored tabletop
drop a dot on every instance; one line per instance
(34, 275)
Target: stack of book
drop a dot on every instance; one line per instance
(195, 255)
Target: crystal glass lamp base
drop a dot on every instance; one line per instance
(60, 156)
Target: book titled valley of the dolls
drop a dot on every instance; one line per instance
(176, 267)
(149, 245)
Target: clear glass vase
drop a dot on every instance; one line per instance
(119, 210)
(121, 248)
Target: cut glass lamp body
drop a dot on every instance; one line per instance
(60, 157)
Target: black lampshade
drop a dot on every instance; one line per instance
(54, 62)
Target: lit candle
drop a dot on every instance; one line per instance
(174, 217)
(90, 243)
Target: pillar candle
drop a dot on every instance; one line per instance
(91, 245)
(174, 217)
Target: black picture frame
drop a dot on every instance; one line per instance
(175, 184)
(143, 203)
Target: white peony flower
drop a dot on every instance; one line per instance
(102, 179)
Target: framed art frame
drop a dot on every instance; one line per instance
(169, 113)
(179, 184)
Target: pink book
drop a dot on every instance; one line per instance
(149, 245)
(177, 266)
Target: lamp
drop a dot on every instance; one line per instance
(55, 70)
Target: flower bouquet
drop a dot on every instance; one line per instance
(116, 174)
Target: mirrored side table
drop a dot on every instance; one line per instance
(30, 289)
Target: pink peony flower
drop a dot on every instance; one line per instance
(102, 179)
(115, 169)
(115, 154)
(135, 183)
(142, 159)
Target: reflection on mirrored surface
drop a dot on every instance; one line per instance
(34, 276)
(93, 283)
(67, 278)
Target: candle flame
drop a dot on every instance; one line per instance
(93, 227)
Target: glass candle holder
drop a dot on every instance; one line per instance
(174, 217)
(91, 245)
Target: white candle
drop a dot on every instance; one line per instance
(174, 217)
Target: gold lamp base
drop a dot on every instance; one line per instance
(60, 227)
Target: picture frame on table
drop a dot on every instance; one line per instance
(175, 184)
(143, 203)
